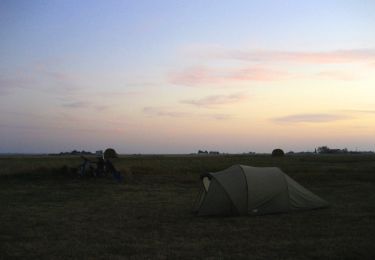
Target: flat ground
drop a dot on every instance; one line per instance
(47, 212)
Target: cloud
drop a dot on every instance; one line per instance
(259, 74)
(360, 111)
(76, 104)
(220, 116)
(39, 79)
(201, 75)
(4, 90)
(310, 118)
(322, 57)
(120, 94)
(162, 111)
(54, 128)
(336, 75)
(58, 75)
(101, 107)
(9, 83)
(216, 100)
(194, 76)
(59, 121)
(263, 65)
(169, 112)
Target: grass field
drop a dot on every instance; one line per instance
(47, 212)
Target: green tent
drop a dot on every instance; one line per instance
(246, 190)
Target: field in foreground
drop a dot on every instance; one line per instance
(47, 212)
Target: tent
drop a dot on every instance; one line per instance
(246, 190)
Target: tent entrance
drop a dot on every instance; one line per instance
(206, 183)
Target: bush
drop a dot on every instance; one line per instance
(278, 152)
(110, 153)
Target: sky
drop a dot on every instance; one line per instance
(178, 76)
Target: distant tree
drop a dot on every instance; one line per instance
(110, 153)
(278, 152)
(326, 150)
(323, 149)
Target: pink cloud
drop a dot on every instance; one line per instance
(194, 76)
(327, 57)
(217, 100)
(259, 74)
(310, 118)
(340, 56)
(203, 75)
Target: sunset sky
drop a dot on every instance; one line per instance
(179, 76)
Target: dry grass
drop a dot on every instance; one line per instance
(49, 213)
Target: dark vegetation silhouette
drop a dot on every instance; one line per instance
(278, 152)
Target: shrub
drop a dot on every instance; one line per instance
(110, 153)
(278, 152)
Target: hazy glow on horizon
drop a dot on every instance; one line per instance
(175, 77)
